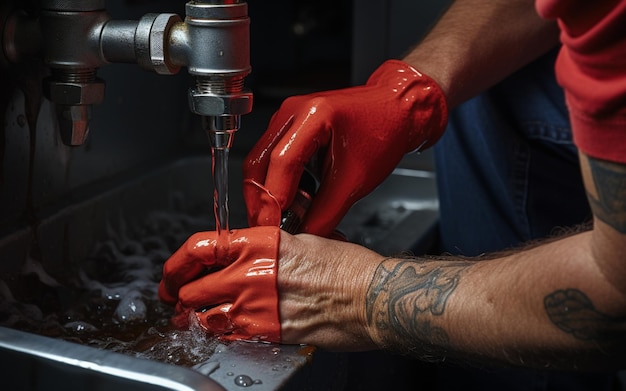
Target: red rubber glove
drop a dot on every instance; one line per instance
(267, 209)
(361, 133)
(237, 300)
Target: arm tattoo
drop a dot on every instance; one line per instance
(610, 183)
(574, 313)
(406, 296)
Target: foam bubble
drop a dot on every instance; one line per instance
(111, 303)
(131, 308)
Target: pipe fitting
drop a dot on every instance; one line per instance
(75, 38)
(212, 105)
(74, 123)
(71, 39)
(218, 38)
(218, 55)
(74, 93)
(151, 42)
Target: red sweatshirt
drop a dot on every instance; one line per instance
(591, 67)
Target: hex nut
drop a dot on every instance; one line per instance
(76, 113)
(74, 123)
(159, 35)
(213, 105)
(69, 93)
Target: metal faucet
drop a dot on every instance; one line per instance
(75, 38)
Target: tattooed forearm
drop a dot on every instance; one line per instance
(574, 313)
(406, 296)
(610, 183)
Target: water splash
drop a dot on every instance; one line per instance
(111, 303)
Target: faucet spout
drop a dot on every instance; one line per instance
(219, 59)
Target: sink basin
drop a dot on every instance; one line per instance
(397, 216)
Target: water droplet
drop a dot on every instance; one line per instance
(244, 381)
(230, 374)
(276, 350)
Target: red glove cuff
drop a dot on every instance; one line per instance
(418, 97)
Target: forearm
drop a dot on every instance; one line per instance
(558, 304)
(547, 307)
(477, 43)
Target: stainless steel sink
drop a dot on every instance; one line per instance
(399, 216)
(62, 240)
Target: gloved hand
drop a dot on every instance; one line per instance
(237, 299)
(361, 133)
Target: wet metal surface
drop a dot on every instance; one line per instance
(254, 365)
(40, 363)
(398, 216)
(239, 365)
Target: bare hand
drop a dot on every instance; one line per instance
(322, 286)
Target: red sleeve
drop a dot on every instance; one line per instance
(591, 67)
